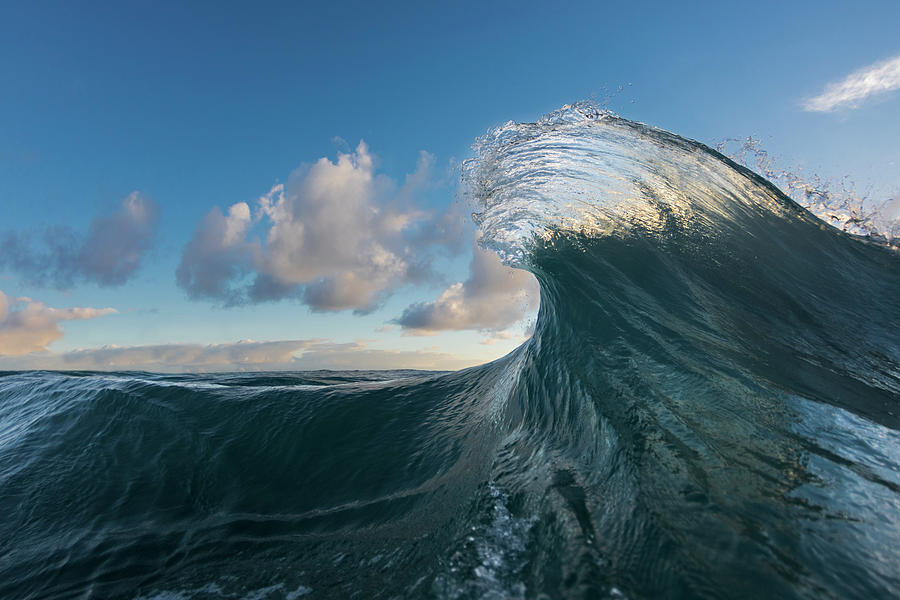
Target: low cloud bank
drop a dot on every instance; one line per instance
(109, 253)
(336, 236)
(28, 326)
(297, 355)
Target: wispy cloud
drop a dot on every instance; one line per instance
(109, 254)
(28, 326)
(247, 355)
(869, 81)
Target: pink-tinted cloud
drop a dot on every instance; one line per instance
(28, 326)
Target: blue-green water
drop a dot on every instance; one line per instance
(708, 408)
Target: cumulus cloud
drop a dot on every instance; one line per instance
(336, 236)
(493, 298)
(29, 326)
(218, 254)
(240, 356)
(874, 79)
(108, 254)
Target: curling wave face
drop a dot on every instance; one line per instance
(708, 408)
(582, 170)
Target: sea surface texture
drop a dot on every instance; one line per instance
(708, 408)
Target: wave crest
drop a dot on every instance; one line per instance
(583, 169)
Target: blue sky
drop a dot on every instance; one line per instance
(204, 107)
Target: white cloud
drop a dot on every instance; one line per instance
(240, 356)
(493, 298)
(29, 326)
(337, 236)
(109, 254)
(875, 79)
(218, 254)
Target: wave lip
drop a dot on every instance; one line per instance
(585, 170)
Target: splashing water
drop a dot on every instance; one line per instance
(838, 204)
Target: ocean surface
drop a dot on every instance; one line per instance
(708, 408)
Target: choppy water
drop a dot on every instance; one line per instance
(708, 408)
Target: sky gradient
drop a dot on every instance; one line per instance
(227, 187)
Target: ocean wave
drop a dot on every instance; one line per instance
(708, 408)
